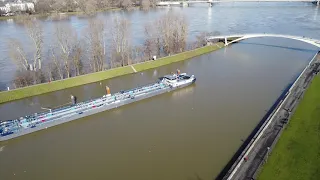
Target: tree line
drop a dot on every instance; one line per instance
(98, 49)
(89, 6)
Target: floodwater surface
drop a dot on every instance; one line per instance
(187, 134)
(293, 18)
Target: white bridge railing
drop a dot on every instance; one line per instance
(239, 37)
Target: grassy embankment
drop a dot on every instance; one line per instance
(29, 91)
(296, 156)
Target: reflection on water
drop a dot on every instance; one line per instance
(183, 92)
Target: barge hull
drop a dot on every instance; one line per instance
(102, 108)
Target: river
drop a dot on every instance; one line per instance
(187, 134)
(227, 18)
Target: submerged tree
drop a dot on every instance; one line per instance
(145, 4)
(67, 46)
(167, 35)
(34, 30)
(126, 4)
(120, 32)
(152, 44)
(29, 66)
(95, 37)
(173, 32)
(201, 38)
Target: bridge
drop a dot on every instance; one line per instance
(229, 39)
(211, 2)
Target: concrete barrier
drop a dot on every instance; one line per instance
(261, 141)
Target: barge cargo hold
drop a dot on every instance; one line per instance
(10, 129)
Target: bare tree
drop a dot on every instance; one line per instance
(96, 39)
(65, 52)
(70, 5)
(101, 4)
(153, 3)
(167, 35)
(77, 56)
(126, 4)
(201, 38)
(17, 53)
(58, 5)
(120, 29)
(56, 68)
(23, 78)
(115, 3)
(66, 38)
(34, 30)
(43, 6)
(137, 54)
(173, 32)
(91, 7)
(29, 68)
(87, 6)
(145, 4)
(152, 42)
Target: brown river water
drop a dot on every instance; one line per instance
(187, 134)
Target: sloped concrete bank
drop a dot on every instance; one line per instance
(248, 160)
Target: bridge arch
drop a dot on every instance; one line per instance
(240, 37)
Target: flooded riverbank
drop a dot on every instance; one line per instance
(187, 134)
(227, 18)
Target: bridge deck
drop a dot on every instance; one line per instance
(228, 1)
(240, 37)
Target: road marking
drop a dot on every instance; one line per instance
(133, 69)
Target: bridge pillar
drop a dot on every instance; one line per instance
(210, 4)
(225, 41)
(318, 2)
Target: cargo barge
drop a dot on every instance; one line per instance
(10, 129)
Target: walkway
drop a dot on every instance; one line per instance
(229, 39)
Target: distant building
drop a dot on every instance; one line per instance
(18, 6)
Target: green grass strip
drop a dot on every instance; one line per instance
(6, 96)
(296, 156)
(177, 57)
(19, 93)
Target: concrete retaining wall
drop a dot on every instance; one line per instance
(250, 157)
